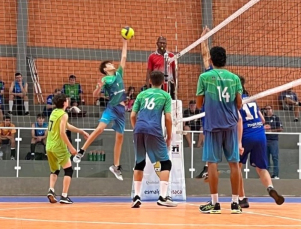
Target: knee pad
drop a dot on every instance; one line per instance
(68, 171)
(165, 165)
(57, 172)
(140, 166)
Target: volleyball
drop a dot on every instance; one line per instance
(127, 33)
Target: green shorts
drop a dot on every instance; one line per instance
(58, 159)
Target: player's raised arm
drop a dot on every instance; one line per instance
(205, 49)
(124, 53)
(76, 130)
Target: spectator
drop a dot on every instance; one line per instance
(1, 99)
(50, 106)
(272, 124)
(193, 124)
(7, 136)
(131, 96)
(289, 101)
(38, 136)
(18, 90)
(156, 62)
(74, 91)
(104, 98)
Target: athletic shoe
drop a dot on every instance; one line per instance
(78, 157)
(51, 197)
(274, 194)
(66, 200)
(166, 202)
(203, 174)
(209, 208)
(116, 170)
(235, 208)
(136, 202)
(244, 203)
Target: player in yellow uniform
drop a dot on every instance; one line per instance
(56, 148)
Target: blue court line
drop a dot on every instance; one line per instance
(127, 199)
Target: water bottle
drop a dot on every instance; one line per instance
(103, 156)
(90, 156)
(97, 102)
(98, 156)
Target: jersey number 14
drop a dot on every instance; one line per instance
(223, 94)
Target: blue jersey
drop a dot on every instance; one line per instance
(40, 133)
(150, 104)
(49, 99)
(252, 123)
(219, 87)
(17, 88)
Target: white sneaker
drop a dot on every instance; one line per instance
(116, 170)
(78, 157)
(167, 202)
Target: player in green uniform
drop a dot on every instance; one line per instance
(56, 148)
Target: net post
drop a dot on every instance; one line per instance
(192, 169)
(18, 167)
(299, 144)
(77, 140)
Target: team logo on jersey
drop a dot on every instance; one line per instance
(157, 168)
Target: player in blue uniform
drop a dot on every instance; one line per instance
(254, 143)
(38, 136)
(146, 119)
(113, 84)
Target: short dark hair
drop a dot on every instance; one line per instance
(192, 102)
(242, 81)
(72, 77)
(40, 116)
(218, 56)
(157, 78)
(18, 74)
(6, 117)
(103, 65)
(58, 100)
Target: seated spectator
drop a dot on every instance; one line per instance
(1, 99)
(7, 136)
(38, 136)
(104, 98)
(131, 96)
(18, 90)
(49, 105)
(193, 125)
(74, 91)
(289, 101)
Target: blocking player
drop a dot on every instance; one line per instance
(56, 148)
(148, 136)
(113, 84)
(220, 91)
(254, 143)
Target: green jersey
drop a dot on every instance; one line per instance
(114, 86)
(151, 104)
(219, 87)
(55, 142)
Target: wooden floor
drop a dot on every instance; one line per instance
(120, 215)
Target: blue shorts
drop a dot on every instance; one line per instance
(217, 143)
(154, 146)
(116, 114)
(256, 146)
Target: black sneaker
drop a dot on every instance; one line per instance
(26, 113)
(235, 208)
(210, 208)
(166, 202)
(66, 200)
(136, 202)
(9, 113)
(51, 197)
(203, 174)
(274, 194)
(244, 203)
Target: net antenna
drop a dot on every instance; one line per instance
(260, 95)
(166, 80)
(35, 79)
(215, 29)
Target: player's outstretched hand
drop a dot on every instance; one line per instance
(73, 151)
(85, 134)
